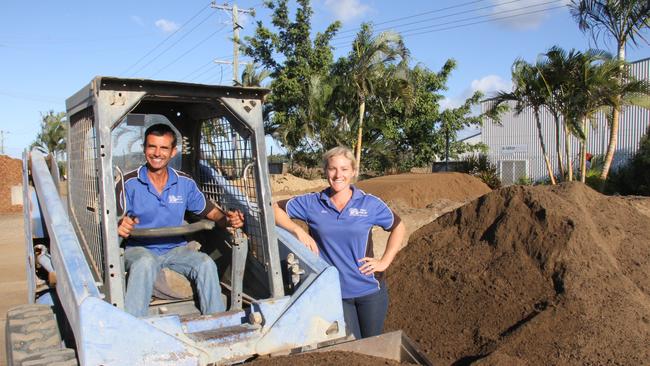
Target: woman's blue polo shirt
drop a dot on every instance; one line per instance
(166, 209)
(343, 237)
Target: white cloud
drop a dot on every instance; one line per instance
(137, 20)
(166, 26)
(507, 8)
(488, 85)
(345, 10)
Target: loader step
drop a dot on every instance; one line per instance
(226, 335)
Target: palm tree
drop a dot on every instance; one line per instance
(555, 67)
(599, 86)
(368, 59)
(623, 20)
(53, 133)
(529, 92)
(250, 76)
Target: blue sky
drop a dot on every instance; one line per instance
(49, 49)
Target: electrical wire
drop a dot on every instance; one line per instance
(454, 14)
(174, 44)
(435, 27)
(189, 50)
(415, 15)
(207, 6)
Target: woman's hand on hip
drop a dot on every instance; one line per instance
(371, 265)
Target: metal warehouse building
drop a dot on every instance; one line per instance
(515, 149)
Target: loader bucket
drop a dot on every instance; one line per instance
(394, 346)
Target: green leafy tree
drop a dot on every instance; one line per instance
(293, 59)
(622, 20)
(53, 133)
(369, 58)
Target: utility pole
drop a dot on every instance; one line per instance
(235, 31)
(2, 141)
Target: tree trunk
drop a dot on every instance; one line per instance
(560, 160)
(362, 111)
(567, 151)
(541, 142)
(613, 139)
(613, 133)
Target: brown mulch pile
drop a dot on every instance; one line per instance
(10, 175)
(529, 275)
(422, 190)
(325, 358)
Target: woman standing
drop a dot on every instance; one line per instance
(340, 220)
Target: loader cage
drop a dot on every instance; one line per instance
(220, 143)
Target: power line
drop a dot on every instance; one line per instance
(484, 21)
(168, 37)
(435, 27)
(174, 44)
(189, 50)
(200, 68)
(416, 15)
(454, 14)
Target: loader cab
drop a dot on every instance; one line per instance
(220, 144)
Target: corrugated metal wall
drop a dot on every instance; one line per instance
(517, 137)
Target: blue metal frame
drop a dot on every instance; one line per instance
(107, 335)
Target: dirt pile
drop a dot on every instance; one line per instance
(529, 275)
(11, 175)
(423, 190)
(289, 185)
(420, 198)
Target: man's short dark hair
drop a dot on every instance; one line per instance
(160, 129)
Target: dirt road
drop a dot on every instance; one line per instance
(13, 283)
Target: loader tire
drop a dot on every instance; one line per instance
(32, 333)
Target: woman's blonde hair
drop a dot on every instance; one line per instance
(339, 151)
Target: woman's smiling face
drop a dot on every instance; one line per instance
(340, 173)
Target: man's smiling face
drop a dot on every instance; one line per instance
(158, 150)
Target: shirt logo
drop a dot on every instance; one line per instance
(175, 199)
(362, 212)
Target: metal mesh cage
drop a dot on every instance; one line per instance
(227, 176)
(84, 189)
(511, 171)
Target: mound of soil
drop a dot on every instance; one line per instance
(422, 190)
(537, 275)
(325, 358)
(12, 175)
(287, 184)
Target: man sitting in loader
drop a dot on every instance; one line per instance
(157, 196)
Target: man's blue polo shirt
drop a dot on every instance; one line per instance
(343, 237)
(166, 209)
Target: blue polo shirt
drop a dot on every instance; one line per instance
(165, 209)
(343, 236)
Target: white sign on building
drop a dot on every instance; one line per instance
(511, 149)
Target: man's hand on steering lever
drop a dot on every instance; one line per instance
(126, 225)
(233, 219)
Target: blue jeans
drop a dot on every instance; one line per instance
(365, 315)
(143, 267)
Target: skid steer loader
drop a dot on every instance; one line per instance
(281, 298)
